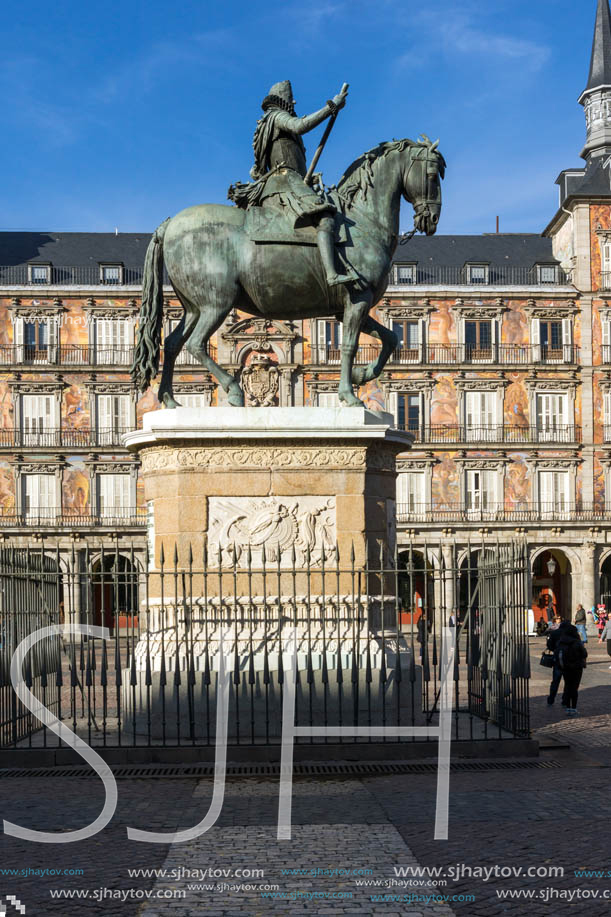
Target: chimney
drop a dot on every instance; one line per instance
(497, 225)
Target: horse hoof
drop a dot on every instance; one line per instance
(169, 401)
(235, 397)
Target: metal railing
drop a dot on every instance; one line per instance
(494, 433)
(81, 275)
(59, 517)
(84, 356)
(53, 437)
(452, 354)
(497, 512)
(450, 275)
(366, 641)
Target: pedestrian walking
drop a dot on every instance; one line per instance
(605, 634)
(570, 655)
(580, 623)
(556, 629)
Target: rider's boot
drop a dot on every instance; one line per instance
(326, 247)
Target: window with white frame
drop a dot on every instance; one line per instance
(35, 339)
(552, 340)
(114, 495)
(553, 493)
(605, 262)
(184, 356)
(407, 409)
(405, 273)
(477, 273)
(552, 411)
(38, 419)
(112, 341)
(113, 418)
(40, 273)
(481, 490)
(411, 492)
(196, 400)
(39, 497)
(328, 400)
(111, 273)
(607, 415)
(480, 416)
(605, 321)
(548, 273)
(329, 341)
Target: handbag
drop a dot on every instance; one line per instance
(547, 660)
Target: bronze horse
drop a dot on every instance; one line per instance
(215, 265)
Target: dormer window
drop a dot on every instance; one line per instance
(405, 273)
(39, 273)
(547, 273)
(111, 273)
(477, 273)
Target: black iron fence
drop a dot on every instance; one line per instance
(452, 354)
(368, 643)
(500, 512)
(493, 433)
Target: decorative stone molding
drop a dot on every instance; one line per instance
(557, 311)
(408, 385)
(305, 524)
(37, 387)
(35, 310)
(480, 385)
(483, 464)
(410, 310)
(104, 310)
(553, 464)
(40, 467)
(218, 455)
(478, 309)
(105, 387)
(415, 464)
(535, 383)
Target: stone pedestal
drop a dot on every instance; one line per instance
(271, 518)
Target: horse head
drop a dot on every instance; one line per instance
(423, 171)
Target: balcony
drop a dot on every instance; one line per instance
(455, 354)
(495, 433)
(495, 275)
(58, 438)
(81, 275)
(57, 517)
(440, 513)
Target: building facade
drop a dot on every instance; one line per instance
(503, 376)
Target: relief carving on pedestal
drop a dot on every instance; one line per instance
(279, 523)
(217, 455)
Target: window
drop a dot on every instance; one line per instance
(477, 273)
(550, 335)
(410, 492)
(553, 493)
(196, 401)
(548, 273)
(552, 340)
(113, 415)
(605, 252)
(480, 491)
(553, 417)
(39, 504)
(607, 415)
(478, 340)
(480, 416)
(328, 400)
(111, 273)
(37, 420)
(605, 321)
(329, 342)
(409, 334)
(114, 491)
(405, 273)
(409, 412)
(40, 273)
(35, 341)
(112, 341)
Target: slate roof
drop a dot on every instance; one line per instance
(600, 63)
(74, 249)
(502, 249)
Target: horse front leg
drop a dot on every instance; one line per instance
(390, 341)
(355, 310)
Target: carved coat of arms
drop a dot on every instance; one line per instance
(260, 380)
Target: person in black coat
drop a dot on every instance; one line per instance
(552, 641)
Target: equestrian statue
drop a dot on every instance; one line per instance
(289, 248)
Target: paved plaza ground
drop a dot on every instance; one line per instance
(346, 831)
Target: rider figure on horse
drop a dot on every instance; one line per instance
(280, 155)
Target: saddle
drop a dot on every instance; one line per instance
(268, 224)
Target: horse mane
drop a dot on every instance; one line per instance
(358, 177)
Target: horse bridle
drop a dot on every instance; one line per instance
(423, 209)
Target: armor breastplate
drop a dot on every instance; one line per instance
(290, 150)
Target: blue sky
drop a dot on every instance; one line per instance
(119, 114)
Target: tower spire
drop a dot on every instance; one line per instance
(596, 97)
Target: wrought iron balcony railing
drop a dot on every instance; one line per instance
(83, 356)
(453, 354)
(408, 513)
(59, 517)
(81, 275)
(510, 275)
(61, 438)
(494, 433)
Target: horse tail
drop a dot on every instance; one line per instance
(146, 358)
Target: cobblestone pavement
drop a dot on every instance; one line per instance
(532, 818)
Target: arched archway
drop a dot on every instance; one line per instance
(605, 582)
(468, 598)
(416, 587)
(114, 584)
(552, 584)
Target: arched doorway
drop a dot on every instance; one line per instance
(551, 580)
(114, 592)
(416, 590)
(605, 583)
(468, 588)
